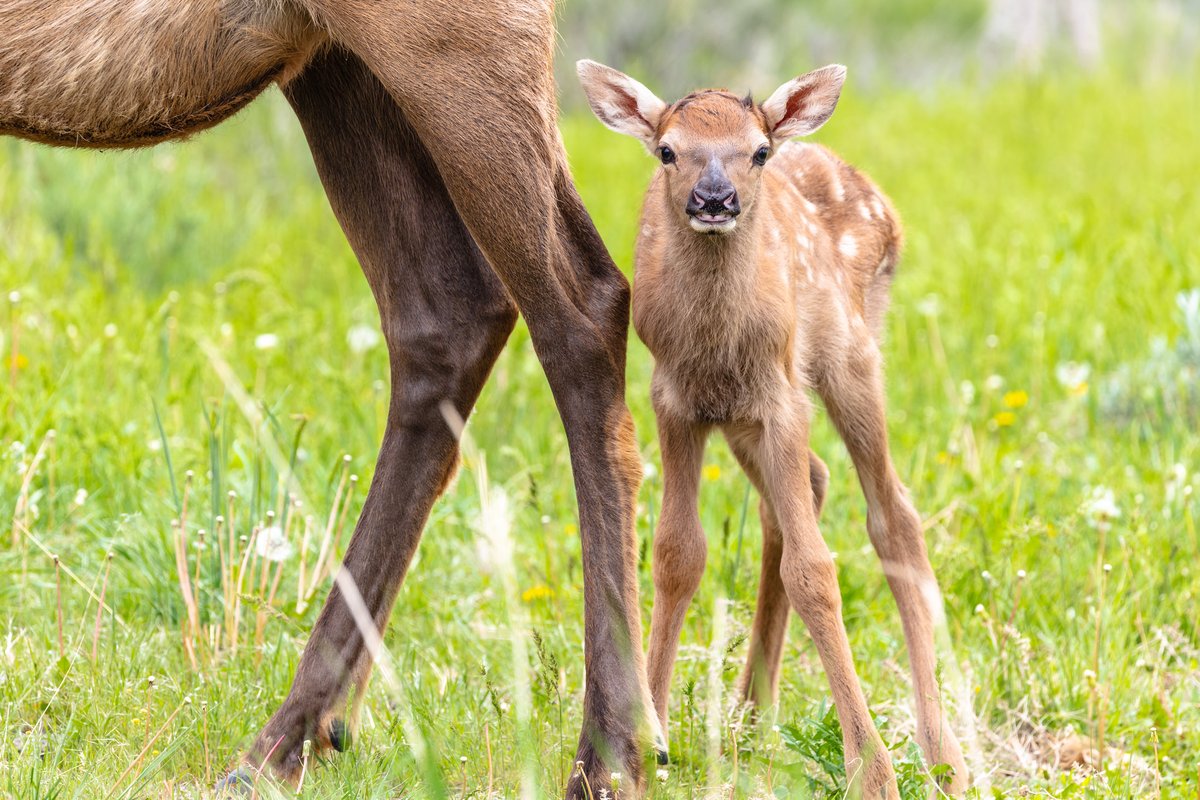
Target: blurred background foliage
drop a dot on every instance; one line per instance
(677, 45)
(1043, 348)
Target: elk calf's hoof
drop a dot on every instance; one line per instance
(661, 756)
(239, 783)
(339, 736)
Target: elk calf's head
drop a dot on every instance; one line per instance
(712, 144)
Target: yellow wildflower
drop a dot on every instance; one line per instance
(1016, 398)
(539, 592)
(571, 529)
(712, 472)
(1005, 419)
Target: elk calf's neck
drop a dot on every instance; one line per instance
(762, 274)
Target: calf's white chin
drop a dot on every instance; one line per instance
(724, 226)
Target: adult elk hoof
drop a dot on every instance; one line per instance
(661, 755)
(239, 783)
(339, 735)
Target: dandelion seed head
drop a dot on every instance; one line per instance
(362, 338)
(273, 545)
(266, 341)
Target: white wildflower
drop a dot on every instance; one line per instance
(994, 383)
(1189, 305)
(662, 774)
(266, 341)
(273, 545)
(81, 496)
(362, 338)
(967, 390)
(494, 545)
(1101, 508)
(110, 330)
(648, 471)
(929, 305)
(1072, 374)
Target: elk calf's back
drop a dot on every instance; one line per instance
(762, 274)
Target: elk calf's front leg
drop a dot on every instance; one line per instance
(810, 579)
(680, 552)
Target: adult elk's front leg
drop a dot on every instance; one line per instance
(445, 318)
(475, 81)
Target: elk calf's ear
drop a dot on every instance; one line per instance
(620, 102)
(804, 104)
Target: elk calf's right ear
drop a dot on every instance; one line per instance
(620, 102)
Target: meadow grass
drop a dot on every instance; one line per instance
(1052, 225)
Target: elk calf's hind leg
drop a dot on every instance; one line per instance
(759, 683)
(854, 399)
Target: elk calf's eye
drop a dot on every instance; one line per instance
(760, 156)
(666, 155)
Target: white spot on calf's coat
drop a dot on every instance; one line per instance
(847, 246)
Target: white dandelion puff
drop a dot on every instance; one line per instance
(362, 338)
(273, 545)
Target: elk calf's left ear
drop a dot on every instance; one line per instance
(620, 102)
(804, 104)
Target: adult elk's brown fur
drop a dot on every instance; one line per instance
(762, 274)
(408, 107)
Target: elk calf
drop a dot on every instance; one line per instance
(762, 273)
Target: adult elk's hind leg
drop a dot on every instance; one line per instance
(475, 81)
(445, 318)
(854, 398)
(759, 683)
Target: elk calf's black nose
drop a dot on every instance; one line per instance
(723, 200)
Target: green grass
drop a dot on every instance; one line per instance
(1048, 222)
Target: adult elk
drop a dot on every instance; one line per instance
(762, 274)
(433, 129)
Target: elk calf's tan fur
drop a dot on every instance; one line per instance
(762, 274)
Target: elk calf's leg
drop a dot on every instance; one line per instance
(445, 318)
(759, 683)
(680, 552)
(482, 103)
(810, 579)
(854, 398)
